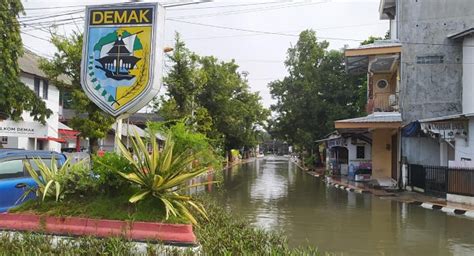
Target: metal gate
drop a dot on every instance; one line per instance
(436, 180)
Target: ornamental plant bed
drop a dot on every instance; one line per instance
(74, 226)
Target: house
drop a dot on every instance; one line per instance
(381, 62)
(346, 153)
(29, 134)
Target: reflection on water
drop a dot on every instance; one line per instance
(274, 194)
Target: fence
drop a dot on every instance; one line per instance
(439, 180)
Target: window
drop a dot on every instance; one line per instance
(11, 169)
(382, 84)
(45, 89)
(37, 86)
(360, 152)
(3, 140)
(434, 59)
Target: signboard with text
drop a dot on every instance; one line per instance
(23, 129)
(122, 55)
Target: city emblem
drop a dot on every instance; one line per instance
(120, 72)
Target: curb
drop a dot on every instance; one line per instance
(426, 205)
(443, 208)
(346, 188)
(181, 234)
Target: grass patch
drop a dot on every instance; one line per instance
(222, 234)
(101, 207)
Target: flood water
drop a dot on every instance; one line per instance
(275, 194)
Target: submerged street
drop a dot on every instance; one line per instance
(275, 194)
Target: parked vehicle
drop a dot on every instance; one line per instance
(14, 178)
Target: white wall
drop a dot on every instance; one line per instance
(352, 152)
(468, 76)
(52, 122)
(463, 148)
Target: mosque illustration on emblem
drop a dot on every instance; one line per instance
(116, 58)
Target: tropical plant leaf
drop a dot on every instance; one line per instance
(138, 196)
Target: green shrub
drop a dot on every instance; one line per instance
(47, 178)
(106, 169)
(164, 175)
(78, 180)
(310, 161)
(58, 181)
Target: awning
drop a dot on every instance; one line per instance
(381, 54)
(60, 140)
(66, 132)
(380, 120)
(447, 127)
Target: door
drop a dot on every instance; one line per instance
(13, 182)
(395, 157)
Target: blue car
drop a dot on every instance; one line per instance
(14, 178)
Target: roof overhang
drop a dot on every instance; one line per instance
(387, 9)
(447, 127)
(457, 117)
(373, 50)
(376, 120)
(359, 59)
(462, 34)
(368, 125)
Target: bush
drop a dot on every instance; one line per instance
(106, 170)
(78, 180)
(164, 175)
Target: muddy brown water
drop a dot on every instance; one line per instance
(274, 194)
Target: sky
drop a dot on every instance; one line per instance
(256, 34)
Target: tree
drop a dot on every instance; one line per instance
(15, 96)
(235, 111)
(213, 96)
(89, 119)
(316, 92)
(183, 83)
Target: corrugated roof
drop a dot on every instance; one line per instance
(376, 117)
(131, 128)
(378, 44)
(30, 63)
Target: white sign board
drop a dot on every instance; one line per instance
(23, 129)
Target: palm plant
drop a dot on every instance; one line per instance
(46, 177)
(163, 175)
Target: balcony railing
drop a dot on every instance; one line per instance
(382, 102)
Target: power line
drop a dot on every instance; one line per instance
(229, 6)
(37, 37)
(48, 16)
(259, 31)
(269, 8)
(260, 34)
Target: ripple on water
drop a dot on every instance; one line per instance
(276, 195)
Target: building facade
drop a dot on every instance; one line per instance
(29, 134)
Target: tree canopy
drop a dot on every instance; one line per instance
(15, 96)
(89, 119)
(214, 96)
(316, 92)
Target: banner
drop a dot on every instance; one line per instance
(23, 129)
(122, 55)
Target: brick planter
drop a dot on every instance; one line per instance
(181, 234)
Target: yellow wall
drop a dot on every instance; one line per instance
(381, 155)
